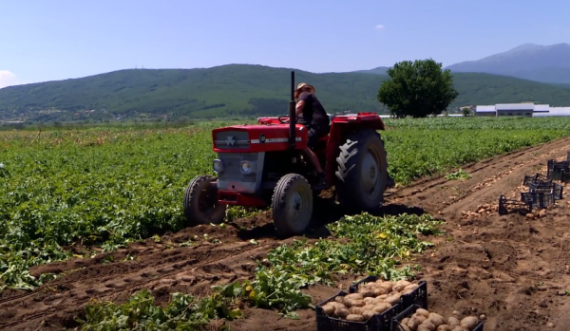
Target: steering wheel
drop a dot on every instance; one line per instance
(281, 120)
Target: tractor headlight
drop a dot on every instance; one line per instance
(245, 167)
(218, 166)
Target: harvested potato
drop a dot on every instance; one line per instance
(410, 288)
(469, 322)
(354, 302)
(436, 319)
(367, 314)
(405, 321)
(382, 297)
(387, 285)
(339, 299)
(394, 299)
(369, 300)
(422, 312)
(381, 291)
(398, 287)
(381, 307)
(414, 323)
(420, 318)
(341, 312)
(404, 327)
(428, 323)
(354, 318)
(356, 296)
(356, 310)
(329, 308)
(367, 293)
(403, 283)
(445, 327)
(423, 327)
(453, 321)
(459, 328)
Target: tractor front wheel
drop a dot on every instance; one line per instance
(292, 205)
(362, 172)
(201, 204)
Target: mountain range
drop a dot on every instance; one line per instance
(518, 75)
(546, 64)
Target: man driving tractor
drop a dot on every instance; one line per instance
(316, 120)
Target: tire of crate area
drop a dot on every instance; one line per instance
(292, 205)
(362, 172)
(201, 204)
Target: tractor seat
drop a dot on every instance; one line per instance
(324, 138)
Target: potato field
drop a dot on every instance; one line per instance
(93, 234)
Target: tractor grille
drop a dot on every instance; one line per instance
(232, 167)
(232, 140)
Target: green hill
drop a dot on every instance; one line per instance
(232, 90)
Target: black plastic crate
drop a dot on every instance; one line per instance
(378, 322)
(418, 296)
(507, 206)
(396, 326)
(568, 156)
(540, 185)
(554, 189)
(536, 178)
(538, 199)
(556, 169)
(565, 176)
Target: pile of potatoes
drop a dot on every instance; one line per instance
(423, 320)
(371, 298)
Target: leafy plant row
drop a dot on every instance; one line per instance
(374, 245)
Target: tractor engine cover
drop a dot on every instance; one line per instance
(241, 151)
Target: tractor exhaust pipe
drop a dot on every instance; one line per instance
(292, 121)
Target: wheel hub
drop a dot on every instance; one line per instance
(295, 206)
(369, 173)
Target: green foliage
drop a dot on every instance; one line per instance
(183, 313)
(417, 89)
(372, 245)
(459, 174)
(233, 90)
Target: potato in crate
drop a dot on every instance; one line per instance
(416, 318)
(408, 293)
(355, 312)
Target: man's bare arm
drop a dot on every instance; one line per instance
(299, 107)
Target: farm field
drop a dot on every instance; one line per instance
(97, 214)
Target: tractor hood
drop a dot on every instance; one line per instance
(256, 138)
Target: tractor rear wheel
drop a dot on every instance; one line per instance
(201, 204)
(292, 205)
(362, 172)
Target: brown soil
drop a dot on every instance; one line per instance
(513, 269)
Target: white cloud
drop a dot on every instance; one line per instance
(7, 79)
(379, 27)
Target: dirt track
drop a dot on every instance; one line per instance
(510, 268)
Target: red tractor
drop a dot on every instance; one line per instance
(262, 165)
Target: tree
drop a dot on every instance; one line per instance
(417, 89)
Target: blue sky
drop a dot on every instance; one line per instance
(57, 39)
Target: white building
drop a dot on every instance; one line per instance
(526, 109)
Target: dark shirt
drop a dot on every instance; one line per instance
(313, 112)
